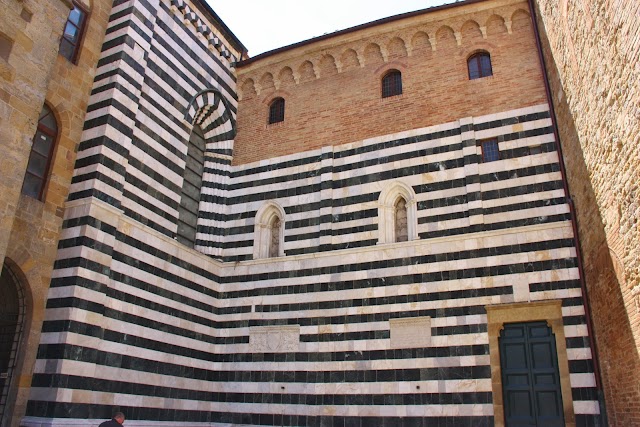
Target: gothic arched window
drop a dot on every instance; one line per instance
(269, 232)
(397, 214)
(39, 165)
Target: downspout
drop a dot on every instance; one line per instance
(572, 214)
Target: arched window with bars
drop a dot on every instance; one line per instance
(392, 84)
(479, 65)
(276, 111)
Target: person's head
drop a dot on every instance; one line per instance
(119, 417)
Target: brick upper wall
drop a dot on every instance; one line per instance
(332, 87)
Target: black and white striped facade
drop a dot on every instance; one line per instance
(175, 336)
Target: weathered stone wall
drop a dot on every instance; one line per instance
(34, 74)
(592, 51)
(29, 34)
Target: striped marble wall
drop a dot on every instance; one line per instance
(346, 328)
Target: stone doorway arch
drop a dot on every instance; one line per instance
(12, 323)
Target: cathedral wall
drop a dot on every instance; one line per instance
(591, 50)
(323, 316)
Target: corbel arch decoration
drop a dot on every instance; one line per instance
(397, 195)
(269, 231)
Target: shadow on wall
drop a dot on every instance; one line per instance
(604, 274)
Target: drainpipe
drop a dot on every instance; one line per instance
(572, 214)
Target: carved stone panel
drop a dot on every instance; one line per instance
(274, 339)
(410, 332)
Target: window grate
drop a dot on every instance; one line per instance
(479, 66)
(276, 111)
(490, 150)
(392, 84)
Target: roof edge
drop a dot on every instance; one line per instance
(226, 32)
(366, 25)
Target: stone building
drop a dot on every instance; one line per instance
(48, 55)
(372, 227)
(592, 53)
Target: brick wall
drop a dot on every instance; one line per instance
(592, 52)
(332, 88)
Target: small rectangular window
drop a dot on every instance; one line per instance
(490, 150)
(73, 33)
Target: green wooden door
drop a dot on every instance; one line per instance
(530, 377)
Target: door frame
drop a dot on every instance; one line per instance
(549, 311)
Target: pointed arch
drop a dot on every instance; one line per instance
(390, 224)
(37, 174)
(269, 231)
(210, 110)
(212, 113)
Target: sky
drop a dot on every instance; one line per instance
(263, 25)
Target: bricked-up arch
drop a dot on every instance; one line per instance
(210, 110)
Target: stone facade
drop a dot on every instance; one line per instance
(592, 52)
(32, 74)
(296, 301)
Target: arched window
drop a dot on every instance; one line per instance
(12, 320)
(400, 220)
(392, 84)
(269, 232)
(276, 111)
(397, 214)
(191, 185)
(41, 155)
(73, 33)
(479, 65)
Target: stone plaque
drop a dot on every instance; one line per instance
(410, 332)
(274, 339)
